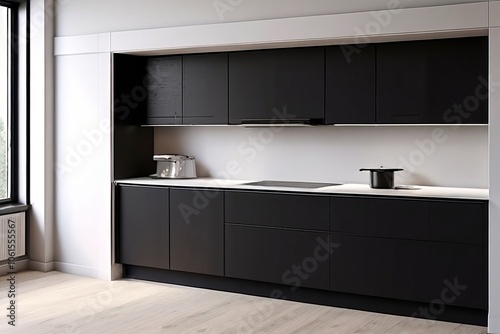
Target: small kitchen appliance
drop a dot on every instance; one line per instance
(174, 166)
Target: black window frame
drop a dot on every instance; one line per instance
(14, 102)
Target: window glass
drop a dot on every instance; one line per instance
(5, 102)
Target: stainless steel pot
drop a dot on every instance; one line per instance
(174, 166)
(381, 178)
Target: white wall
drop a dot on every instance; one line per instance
(330, 153)
(78, 17)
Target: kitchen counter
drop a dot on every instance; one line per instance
(348, 188)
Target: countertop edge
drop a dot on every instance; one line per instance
(344, 189)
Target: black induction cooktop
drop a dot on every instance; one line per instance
(291, 184)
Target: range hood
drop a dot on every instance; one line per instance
(250, 123)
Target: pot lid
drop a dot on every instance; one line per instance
(381, 169)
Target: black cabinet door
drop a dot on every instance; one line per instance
(290, 257)
(130, 103)
(197, 231)
(205, 93)
(164, 90)
(142, 226)
(459, 222)
(383, 217)
(436, 81)
(458, 275)
(276, 85)
(277, 210)
(381, 267)
(350, 84)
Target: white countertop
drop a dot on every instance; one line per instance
(348, 188)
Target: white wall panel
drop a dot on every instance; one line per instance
(494, 220)
(78, 141)
(96, 16)
(494, 12)
(469, 19)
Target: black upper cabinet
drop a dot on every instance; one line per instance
(436, 81)
(164, 87)
(190, 89)
(130, 105)
(133, 145)
(350, 84)
(143, 226)
(284, 85)
(205, 93)
(415, 82)
(197, 231)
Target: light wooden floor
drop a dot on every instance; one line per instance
(60, 303)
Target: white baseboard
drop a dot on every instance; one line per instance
(21, 265)
(44, 267)
(80, 270)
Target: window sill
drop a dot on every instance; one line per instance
(6, 209)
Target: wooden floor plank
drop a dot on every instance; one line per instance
(60, 303)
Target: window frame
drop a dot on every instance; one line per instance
(13, 127)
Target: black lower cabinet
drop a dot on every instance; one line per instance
(458, 275)
(458, 221)
(143, 226)
(381, 267)
(197, 231)
(290, 257)
(423, 271)
(380, 217)
(364, 253)
(292, 211)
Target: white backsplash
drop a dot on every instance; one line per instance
(431, 155)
